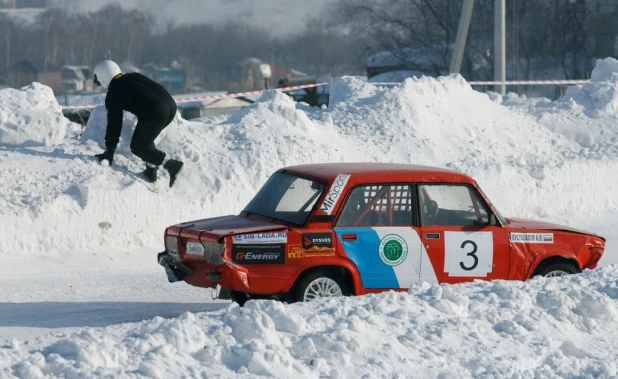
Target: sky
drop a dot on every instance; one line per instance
(281, 17)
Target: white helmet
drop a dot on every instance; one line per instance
(104, 72)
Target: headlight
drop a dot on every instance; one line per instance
(213, 251)
(171, 244)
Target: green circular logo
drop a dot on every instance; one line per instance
(393, 250)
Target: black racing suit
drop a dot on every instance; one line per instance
(150, 102)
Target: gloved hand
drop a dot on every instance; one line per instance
(107, 154)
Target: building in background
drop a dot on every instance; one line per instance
(28, 71)
(76, 79)
(213, 107)
(174, 80)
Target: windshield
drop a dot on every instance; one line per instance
(287, 198)
(498, 214)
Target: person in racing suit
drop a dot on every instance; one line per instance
(151, 103)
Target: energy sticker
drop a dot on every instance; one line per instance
(468, 254)
(532, 237)
(393, 250)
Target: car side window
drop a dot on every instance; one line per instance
(451, 205)
(377, 205)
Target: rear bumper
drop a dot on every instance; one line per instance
(175, 270)
(229, 276)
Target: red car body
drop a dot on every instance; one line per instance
(371, 227)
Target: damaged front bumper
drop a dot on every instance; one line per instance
(175, 270)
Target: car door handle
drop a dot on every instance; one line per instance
(432, 236)
(349, 237)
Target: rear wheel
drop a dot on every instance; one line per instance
(551, 270)
(317, 285)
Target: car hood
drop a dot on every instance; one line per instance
(217, 227)
(518, 223)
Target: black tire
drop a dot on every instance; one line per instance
(297, 294)
(556, 269)
(238, 297)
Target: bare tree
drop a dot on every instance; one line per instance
(544, 35)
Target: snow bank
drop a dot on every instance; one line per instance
(600, 94)
(541, 159)
(550, 328)
(443, 122)
(31, 116)
(587, 115)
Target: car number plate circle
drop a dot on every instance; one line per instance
(195, 248)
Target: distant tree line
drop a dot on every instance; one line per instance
(541, 34)
(209, 53)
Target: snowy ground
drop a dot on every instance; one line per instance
(79, 239)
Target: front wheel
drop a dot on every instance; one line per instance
(319, 284)
(556, 269)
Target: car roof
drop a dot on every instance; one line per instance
(377, 172)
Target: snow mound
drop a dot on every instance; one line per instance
(31, 116)
(551, 328)
(587, 115)
(600, 95)
(441, 122)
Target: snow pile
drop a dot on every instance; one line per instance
(441, 122)
(557, 327)
(600, 95)
(31, 116)
(534, 158)
(587, 115)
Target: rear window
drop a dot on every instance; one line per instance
(286, 198)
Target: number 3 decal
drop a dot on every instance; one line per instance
(468, 254)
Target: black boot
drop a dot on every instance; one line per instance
(151, 173)
(173, 167)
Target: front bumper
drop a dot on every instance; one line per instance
(175, 270)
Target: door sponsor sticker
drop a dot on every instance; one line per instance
(260, 238)
(258, 254)
(468, 254)
(334, 193)
(317, 240)
(393, 250)
(532, 237)
(297, 251)
(195, 248)
(314, 245)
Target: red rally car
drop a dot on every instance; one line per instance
(324, 230)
